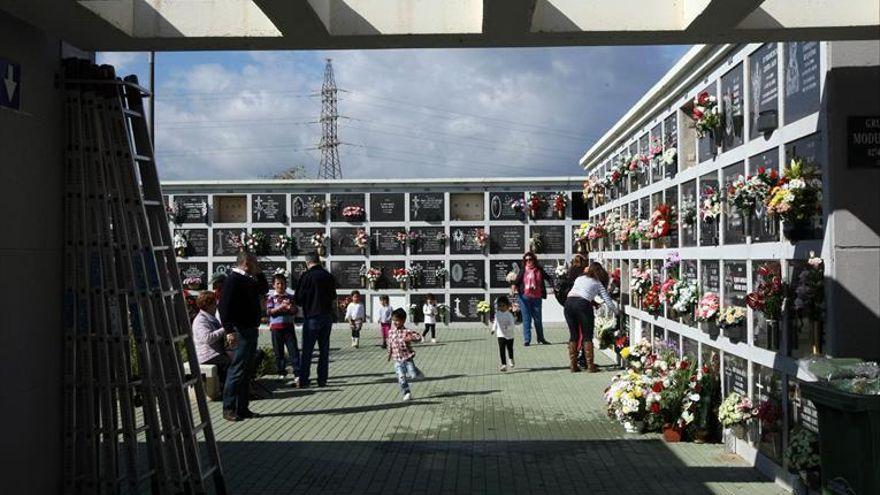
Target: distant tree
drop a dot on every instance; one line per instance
(292, 173)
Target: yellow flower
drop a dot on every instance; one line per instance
(624, 353)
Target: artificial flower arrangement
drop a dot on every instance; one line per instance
(581, 233)
(373, 275)
(483, 307)
(536, 242)
(667, 287)
(735, 410)
(641, 232)
(688, 212)
(511, 277)
(672, 261)
(635, 165)
(801, 456)
(707, 307)
(192, 282)
(481, 238)
(652, 302)
(706, 114)
(625, 398)
(746, 193)
(769, 295)
(443, 313)
(255, 242)
(354, 213)
(180, 244)
(401, 275)
(518, 205)
(318, 206)
(441, 237)
(731, 317)
(362, 240)
(809, 293)
(561, 270)
(415, 274)
(797, 195)
(414, 237)
(637, 354)
(661, 221)
(669, 155)
(768, 412)
(655, 149)
(441, 274)
(175, 212)
(606, 331)
(685, 296)
(283, 242)
(559, 203)
(710, 204)
(597, 231)
(318, 243)
(537, 203)
(401, 236)
(641, 280)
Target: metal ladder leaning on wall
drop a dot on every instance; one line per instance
(129, 419)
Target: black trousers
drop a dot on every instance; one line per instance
(580, 318)
(505, 348)
(430, 327)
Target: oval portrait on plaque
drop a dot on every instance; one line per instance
(457, 272)
(496, 206)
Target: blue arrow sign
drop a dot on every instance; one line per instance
(10, 84)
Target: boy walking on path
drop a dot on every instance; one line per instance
(400, 350)
(280, 308)
(383, 316)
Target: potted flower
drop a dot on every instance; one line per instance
(373, 276)
(801, 456)
(796, 199)
(441, 275)
(192, 283)
(180, 244)
(730, 318)
(625, 399)
(401, 275)
(283, 243)
(560, 202)
(318, 243)
(354, 213)
(483, 309)
(710, 204)
(768, 298)
(362, 241)
(706, 115)
(481, 238)
(537, 203)
(536, 242)
(809, 300)
(707, 307)
(318, 206)
(255, 242)
(735, 412)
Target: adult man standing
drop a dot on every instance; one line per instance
(240, 311)
(315, 295)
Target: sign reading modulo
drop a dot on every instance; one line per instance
(10, 90)
(863, 142)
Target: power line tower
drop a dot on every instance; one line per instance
(329, 145)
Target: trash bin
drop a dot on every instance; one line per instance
(849, 439)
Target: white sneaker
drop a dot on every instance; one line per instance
(352, 343)
(407, 396)
(357, 343)
(511, 365)
(502, 368)
(433, 341)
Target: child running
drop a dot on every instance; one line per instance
(383, 317)
(503, 328)
(400, 350)
(355, 314)
(429, 309)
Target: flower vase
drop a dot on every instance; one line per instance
(373, 284)
(773, 335)
(533, 214)
(816, 337)
(671, 434)
(739, 431)
(403, 285)
(441, 281)
(633, 426)
(363, 281)
(797, 230)
(581, 246)
(484, 318)
(321, 250)
(363, 251)
(560, 214)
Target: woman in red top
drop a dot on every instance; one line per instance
(531, 285)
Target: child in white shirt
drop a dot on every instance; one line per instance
(503, 328)
(430, 311)
(383, 317)
(355, 314)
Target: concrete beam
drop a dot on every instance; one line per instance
(293, 18)
(716, 15)
(502, 18)
(399, 17)
(566, 16)
(779, 14)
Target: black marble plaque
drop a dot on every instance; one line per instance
(341, 201)
(269, 269)
(689, 270)
(297, 268)
(427, 276)
(342, 241)
(500, 206)
(428, 242)
(498, 270)
(384, 241)
(580, 210)
(387, 207)
(688, 212)
(192, 209)
(711, 276)
(732, 108)
(197, 241)
(271, 237)
(863, 141)
(670, 140)
(462, 240)
(645, 174)
(426, 207)
(386, 281)
(553, 237)
(507, 239)
(671, 199)
(301, 208)
(463, 307)
(763, 227)
(467, 274)
(222, 268)
(268, 208)
(801, 79)
(763, 90)
(197, 269)
(347, 274)
(734, 220)
(706, 145)
(302, 240)
(736, 374)
(709, 228)
(735, 283)
(656, 136)
(759, 321)
(224, 244)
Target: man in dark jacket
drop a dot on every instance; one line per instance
(240, 311)
(315, 295)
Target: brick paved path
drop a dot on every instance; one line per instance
(469, 429)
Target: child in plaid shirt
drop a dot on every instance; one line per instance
(400, 349)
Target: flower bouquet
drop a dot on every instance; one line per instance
(661, 221)
(731, 317)
(735, 412)
(796, 198)
(415, 275)
(511, 277)
(706, 114)
(652, 302)
(354, 213)
(707, 307)
(175, 213)
(655, 149)
(537, 203)
(441, 237)
(483, 308)
(637, 354)
(180, 244)
(769, 295)
(559, 204)
(809, 298)
(283, 243)
(669, 155)
(362, 240)
(640, 281)
(373, 276)
(402, 237)
(684, 297)
(414, 237)
(606, 331)
(443, 313)
(580, 235)
(318, 243)
(688, 212)
(710, 204)
(625, 399)
(401, 275)
(518, 205)
(746, 193)
(801, 456)
(280, 271)
(255, 242)
(441, 275)
(318, 206)
(667, 287)
(192, 283)
(672, 261)
(536, 242)
(481, 238)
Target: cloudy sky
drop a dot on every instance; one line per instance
(404, 113)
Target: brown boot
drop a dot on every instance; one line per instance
(588, 354)
(573, 356)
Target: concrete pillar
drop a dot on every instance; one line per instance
(30, 263)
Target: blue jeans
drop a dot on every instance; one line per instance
(406, 369)
(316, 330)
(281, 339)
(236, 391)
(531, 310)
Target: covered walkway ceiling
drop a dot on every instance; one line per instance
(137, 25)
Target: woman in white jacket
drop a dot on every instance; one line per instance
(579, 312)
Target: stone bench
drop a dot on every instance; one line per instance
(211, 375)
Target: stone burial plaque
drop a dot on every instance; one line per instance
(271, 237)
(656, 164)
(763, 90)
(734, 220)
(200, 270)
(763, 227)
(268, 208)
(500, 206)
(463, 240)
(553, 236)
(269, 269)
(735, 283)
(341, 201)
(192, 209)
(384, 241)
(670, 140)
(463, 307)
(547, 212)
(302, 240)
(387, 207)
(711, 276)
(426, 207)
(467, 274)
(706, 144)
(342, 241)
(801, 79)
(507, 239)
(736, 374)
(223, 241)
(427, 278)
(297, 268)
(498, 270)
(708, 229)
(301, 209)
(428, 242)
(197, 241)
(347, 274)
(418, 300)
(222, 268)
(386, 281)
(732, 112)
